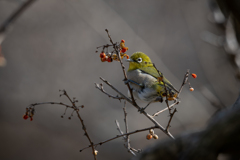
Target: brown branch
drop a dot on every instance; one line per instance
(118, 136)
(139, 108)
(171, 116)
(126, 128)
(100, 87)
(185, 80)
(76, 109)
(172, 105)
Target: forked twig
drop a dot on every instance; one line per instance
(75, 109)
(171, 116)
(100, 87)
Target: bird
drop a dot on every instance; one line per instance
(147, 83)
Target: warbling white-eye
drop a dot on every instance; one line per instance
(147, 83)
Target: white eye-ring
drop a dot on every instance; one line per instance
(139, 60)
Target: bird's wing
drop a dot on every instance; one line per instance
(153, 72)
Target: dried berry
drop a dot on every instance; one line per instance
(155, 136)
(95, 152)
(191, 89)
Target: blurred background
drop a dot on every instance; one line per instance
(52, 46)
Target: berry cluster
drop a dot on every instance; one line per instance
(29, 113)
(110, 56)
(151, 135)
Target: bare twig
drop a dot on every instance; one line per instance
(172, 105)
(118, 136)
(119, 129)
(171, 116)
(75, 109)
(100, 87)
(126, 128)
(185, 80)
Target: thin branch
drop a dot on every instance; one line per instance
(36, 104)
(119, 129)
(172, 105)
(118, 136)
(171, 116)
(185, 80)
(126, 128)
(100, 87)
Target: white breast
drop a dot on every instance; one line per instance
(147, 92)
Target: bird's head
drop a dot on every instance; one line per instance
(139, 60)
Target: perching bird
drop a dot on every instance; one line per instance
(147, 83)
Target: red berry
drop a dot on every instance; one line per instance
(127, 56)
(123, 40)
(109, 59)
(102, 55)
(123, 50)
(194, 75)
(31, 118)
(25, 116)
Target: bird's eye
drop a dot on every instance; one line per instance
(139, 60)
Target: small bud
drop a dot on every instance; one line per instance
(191, 89)
(82, 106)
(61, 116)
(95, 152)
(149, 136)
(151, 131)
(194, 75)
(155, 136)
(69, 117)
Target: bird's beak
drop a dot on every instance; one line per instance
(129, 60)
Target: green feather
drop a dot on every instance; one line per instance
(153, 72)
